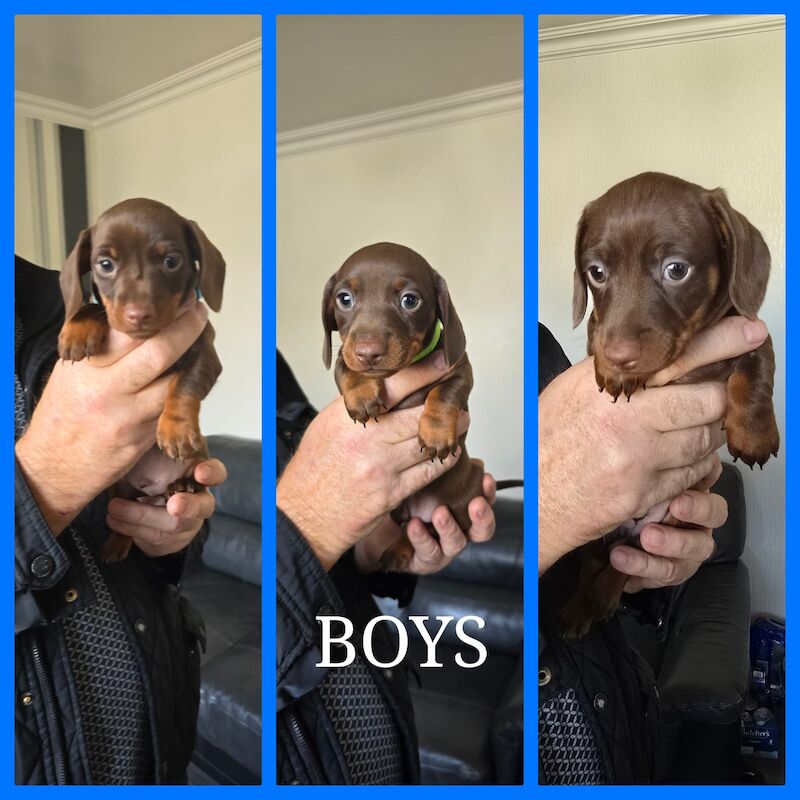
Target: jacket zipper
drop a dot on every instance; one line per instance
(306, 753)
(51, 712)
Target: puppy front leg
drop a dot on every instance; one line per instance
(364, 396)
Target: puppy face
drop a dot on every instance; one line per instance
(142, 256)
(142, 266)
(383, 302)
(664, 259)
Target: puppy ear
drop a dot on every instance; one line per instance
(579, 288)
(76, 265)
(746, 255)
(455, 343)
(328, 320)
(212, 265)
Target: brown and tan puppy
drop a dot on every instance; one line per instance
(147, 263)
(389, 306)
(666, 259)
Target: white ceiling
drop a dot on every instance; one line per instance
(332, 67)
(90, 60)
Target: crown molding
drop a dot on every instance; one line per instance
(230, 64)
(489, 101)
(648, 30)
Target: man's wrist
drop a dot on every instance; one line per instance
(318, 533)
(49, 487)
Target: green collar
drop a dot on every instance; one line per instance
(437, 332)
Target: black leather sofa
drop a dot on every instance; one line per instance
(700, 655)
(469, 721)
(226, 588)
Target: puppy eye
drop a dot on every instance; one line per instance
(344, 300)
(105, 265)
(677, 271)
(597, 274)
(172, 262)
(409, 301)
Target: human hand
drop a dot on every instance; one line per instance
(97, 417)
(161, 530)
(344, 478)
(672, 555)
(602, 463)
(431, 555)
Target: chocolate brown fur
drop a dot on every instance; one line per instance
(379, 337)
(142, 255)
(631, 245)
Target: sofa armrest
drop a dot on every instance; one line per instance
(704, 674)
(507, 732)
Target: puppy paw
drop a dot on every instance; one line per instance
(752, 442)
(179, 438)
(115, 548)
(81, 337)
(584, 610)
(397, 558)
(617, 384)
(437, 436)
(189, 485)
(367, 401)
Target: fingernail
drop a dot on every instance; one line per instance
(179, 507)
(620, 558)
(685, 504)
(655, 537)
(203, 474)
(438, 360)
(754, 332)
(483, 511)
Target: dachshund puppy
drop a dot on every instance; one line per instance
(147, 264)
(666, 259)
(392, 308)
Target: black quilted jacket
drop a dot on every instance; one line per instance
(312, 747)
(598, 704)
(51, 584)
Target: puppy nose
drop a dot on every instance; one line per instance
(622, 352)
(368, 351)
(138, 315)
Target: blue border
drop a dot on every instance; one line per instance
(268, 10)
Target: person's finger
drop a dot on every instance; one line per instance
(451, 537)
(414, 377)
(489, 487)
(482, 518)
(689, 544)
(191, 505)
(670, 483)
(144, 364)
(676, 448)
(403, 425)
(705, 509)
(683, 406)
(730, 337)
(211, 472)
(145, 515)
(640, 564)
(427, 552)
(155, 536)
(420, 475)
(706, 483)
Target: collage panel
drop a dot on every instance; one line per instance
(137, 227)
(399, 575)
(662, 203)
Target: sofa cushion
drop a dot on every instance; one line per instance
(240, 495)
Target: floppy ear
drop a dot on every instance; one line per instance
(76, 265)
(328, 320)
(746, 255)
(579, 288)
(455, 343)
(212, 265)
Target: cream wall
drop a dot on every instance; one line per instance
(201, 154)
(25, 205)
(710, 111)
(454, 194)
